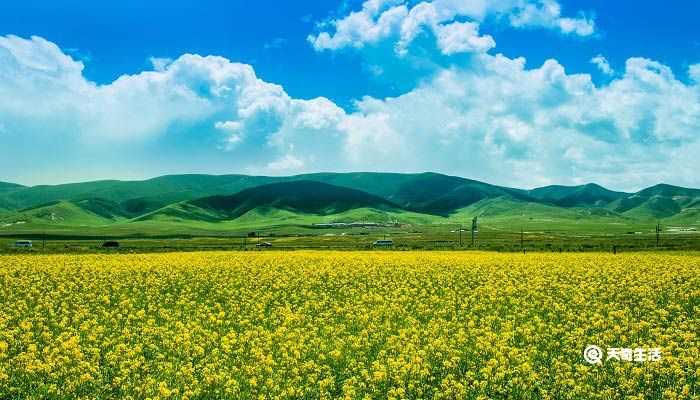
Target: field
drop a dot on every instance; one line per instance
(353, 325)
(538, 236)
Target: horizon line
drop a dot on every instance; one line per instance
(137, 180)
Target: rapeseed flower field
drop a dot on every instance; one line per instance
(347, 325)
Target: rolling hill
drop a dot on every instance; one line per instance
(590, 195)
(6, 186)
(301, 197)
(425, 193)
(63, 214)
(137, 197)
(171, 203)
(443, 195)
(428, 193)
(658, 202)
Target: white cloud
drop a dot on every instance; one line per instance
(511, 124)
(495, 120)
(233, 130)
(547, 14)
(694, 72)
(398, 20)
(160, 64)
(582, 26)
(602, 64)
(288, 163)
(462, 37)
(48, 85)
(360, 28)
(46, 97)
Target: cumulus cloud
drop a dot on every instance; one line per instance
(494, 120)
(694, 72)
(41, 83)
(45, 96)
(462, 37)
(602, 64)
(160, 63)
(511, 124)
(547, 14)
(403, 22)
(288, 163)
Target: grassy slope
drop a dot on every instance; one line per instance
(456, 199)
(508, 213)
(140, 195)
(427, 193)
(376, 183)
(660, 202)
(5, 189)
(304, 197)
(7, 186)
(58, 215)
(576, 196)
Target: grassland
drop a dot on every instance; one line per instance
(293, 231)
(321, 325)
(417, 211)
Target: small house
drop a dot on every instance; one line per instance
(383, 243)
(23, 244)
(110, 244)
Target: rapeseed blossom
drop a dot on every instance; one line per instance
(326, 325)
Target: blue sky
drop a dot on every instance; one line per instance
(461, 87)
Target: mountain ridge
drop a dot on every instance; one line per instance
(306, 197)
(426, 196)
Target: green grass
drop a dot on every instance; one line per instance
(287, 208)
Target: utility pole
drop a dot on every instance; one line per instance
(522, 231)
(43, 242)
(474, 228)
(658, 234)
(460, 235)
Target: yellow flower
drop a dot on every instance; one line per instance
(358, 325)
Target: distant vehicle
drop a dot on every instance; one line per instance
(264, 244)
(110, 244)
(23, 244)
(383, 243)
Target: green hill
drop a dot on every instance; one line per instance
(658, 202)
(505, 208)
(201, 203)
(590, 195)
(427, 193)
(137, 197)
(651, 208)
(677, 192)
(62, 214)
(6, 186)
(302, 197)
(380, 184)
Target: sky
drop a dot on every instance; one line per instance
(522, 93)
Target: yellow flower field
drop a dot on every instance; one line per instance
(321, 325)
